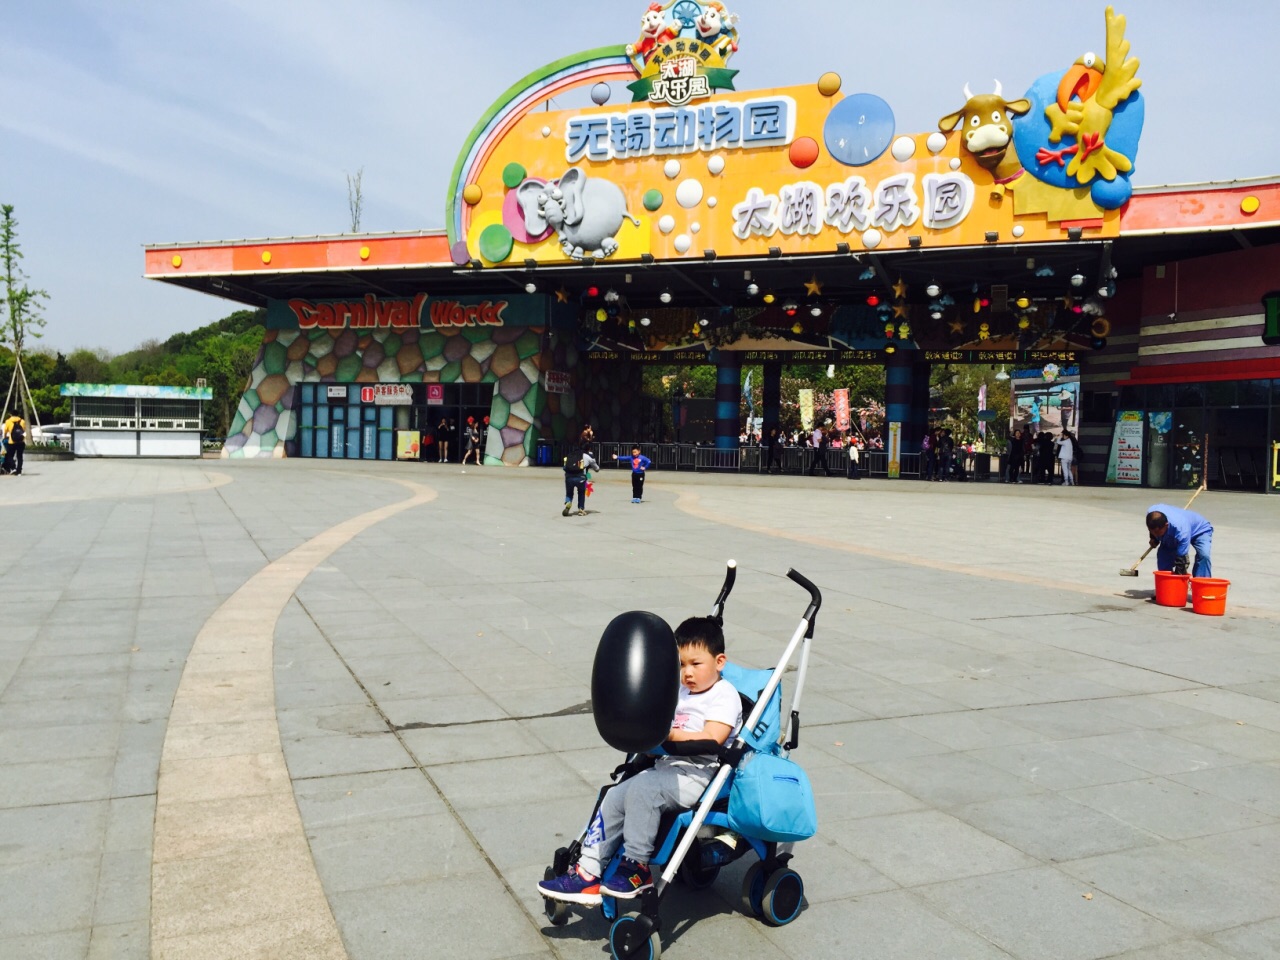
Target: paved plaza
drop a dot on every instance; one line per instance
(308, 709)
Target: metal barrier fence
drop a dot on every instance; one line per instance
(790, 460)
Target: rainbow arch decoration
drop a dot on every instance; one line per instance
(590, 66)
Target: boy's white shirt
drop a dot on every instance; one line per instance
(719, 704)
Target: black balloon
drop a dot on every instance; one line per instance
(635, 681)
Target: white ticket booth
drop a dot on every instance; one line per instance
(128, 420)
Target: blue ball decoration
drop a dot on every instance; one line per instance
(858, 129)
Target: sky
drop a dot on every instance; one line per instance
(131, 122)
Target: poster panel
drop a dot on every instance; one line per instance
(895, 449)
(1124, 465)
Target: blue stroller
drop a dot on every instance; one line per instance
(695, 844)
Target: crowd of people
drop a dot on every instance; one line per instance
(1034, 454)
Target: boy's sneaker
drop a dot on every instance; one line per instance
(567, 508)
(582, 513)
(572, 887)
(628, 880)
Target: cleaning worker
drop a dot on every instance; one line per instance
(1174, 532)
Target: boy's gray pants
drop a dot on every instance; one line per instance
(635, 806)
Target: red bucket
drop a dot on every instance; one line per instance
(1171, 589)
(1209, 596)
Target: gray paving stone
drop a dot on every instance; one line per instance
(1040, 914)
(1156, 752)
(51, 897)
(349, 719)
(121, 941)
(461, 916)
(382, 795)
(37, 834)
(472, 741)
(124, 888)
(63, 781)
(1173, 884)
(379, 853)
(949, 780)
(869, 740)
(1253, 785)
(1058, 765)
(970, 730)
(494, 783)
(65, 945)
(1052, 828)
(1254, 941)
(896, 925)
(924, 847)
(336, 755)
(842, 792)
(1168, 809)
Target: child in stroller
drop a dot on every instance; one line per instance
(695, 844)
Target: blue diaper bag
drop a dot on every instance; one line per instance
(771, 800)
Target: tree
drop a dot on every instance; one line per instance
(355, 198)
(22, 303)
(954, 398)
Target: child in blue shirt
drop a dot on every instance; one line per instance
(639, 464)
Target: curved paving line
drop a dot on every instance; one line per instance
(232, 874)
(691, 503)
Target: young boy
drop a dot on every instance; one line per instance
(639, 464)
(708, 713)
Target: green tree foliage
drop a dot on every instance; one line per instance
(221, 354)
(864, 383)
(954, 401)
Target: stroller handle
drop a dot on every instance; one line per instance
(815, 595)
(730, 574)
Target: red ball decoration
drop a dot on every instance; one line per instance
(803, 152)
(873, 300)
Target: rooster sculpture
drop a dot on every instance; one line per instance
(1087, 98)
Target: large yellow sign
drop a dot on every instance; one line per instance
(800, 169)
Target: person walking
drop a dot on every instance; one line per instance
(472, 436)
(946, 454)
(819, 451)
(576, 466)
(774, 446)
(929, 453)
(15, 431)
(1013, 457)
(1066, 456)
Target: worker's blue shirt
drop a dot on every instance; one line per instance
(1184, 526)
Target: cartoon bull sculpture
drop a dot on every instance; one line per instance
(586, 212)
(987, 123)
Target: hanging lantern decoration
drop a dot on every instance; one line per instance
(984, 331)
(933, 290)
(1023, 323)
(904, 331)
(873, 300)
(769, 297)
(888, 330)
(790, 308)
(796, 328)
(977, 304)
(1022, 303)
(601, 316)
(1077, 279)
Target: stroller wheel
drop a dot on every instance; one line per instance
(753, 882)
(783, 894)
(557, 911)
(623, 947)
(695, 875)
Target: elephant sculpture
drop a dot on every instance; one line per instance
(586, 212)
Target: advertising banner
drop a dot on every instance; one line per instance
(435, 394)
(806, 409)
(895, 450)
(842, 409)
(1125, 462)
(408, 444)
